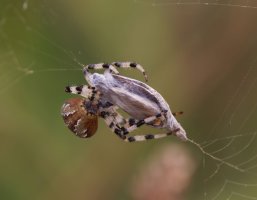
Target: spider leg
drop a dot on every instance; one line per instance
(130, 125)
(112, 67)
(131, 65)
(140, 138)
(97, 66)
(116, 117)
(86, 91)
(113, 123)
(121, 132)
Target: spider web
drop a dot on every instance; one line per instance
(227, 149)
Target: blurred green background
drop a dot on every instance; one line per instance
(202, 59)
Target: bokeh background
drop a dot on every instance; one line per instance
(201, 58)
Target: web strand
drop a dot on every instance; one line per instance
(251, 4)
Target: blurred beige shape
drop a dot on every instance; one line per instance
(166, 176)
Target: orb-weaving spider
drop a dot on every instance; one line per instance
(109, 91)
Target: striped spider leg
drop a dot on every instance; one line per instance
(113, 67)
(123, 129)
(87, 92)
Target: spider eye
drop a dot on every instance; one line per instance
(78, 119)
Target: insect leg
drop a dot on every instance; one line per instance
(177, 113)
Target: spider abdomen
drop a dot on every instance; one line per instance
(78, 119)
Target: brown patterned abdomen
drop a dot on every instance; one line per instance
(77, 119)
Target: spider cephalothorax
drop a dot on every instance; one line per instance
(109, 91)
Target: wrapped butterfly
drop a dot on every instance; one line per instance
(110, 91)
